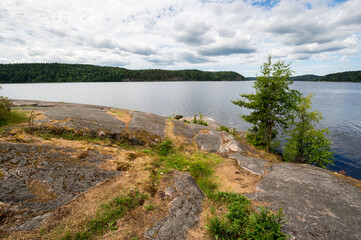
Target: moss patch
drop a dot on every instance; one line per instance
(42, 192)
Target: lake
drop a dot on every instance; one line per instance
(339, 103)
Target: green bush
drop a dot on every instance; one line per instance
(241, 222)
(6, 115)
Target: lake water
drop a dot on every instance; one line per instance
(339, 103)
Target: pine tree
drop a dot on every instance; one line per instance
(306, 144)
(273, 103)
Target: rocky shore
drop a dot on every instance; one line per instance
(42, 180)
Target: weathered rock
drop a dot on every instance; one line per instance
(93, 119)
(184, 210)
(209, 141)
(183, 130)
(234, 146)
(43, 178)
(316, 204)
(150, 123)
(254, 165)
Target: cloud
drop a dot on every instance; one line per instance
(219, 34)
(194, 34)
(227, 49)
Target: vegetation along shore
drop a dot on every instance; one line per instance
(59, 72)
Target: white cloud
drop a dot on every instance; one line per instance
(222, 35)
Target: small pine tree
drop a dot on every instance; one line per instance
(273, 104)
(306, 144)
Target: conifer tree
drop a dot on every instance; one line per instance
(305, 143)
(273, 103)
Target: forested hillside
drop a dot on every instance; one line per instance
(351, 76)
(58, 72)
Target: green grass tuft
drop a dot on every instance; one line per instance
(107, 214)
(242, 222)
(11, 117)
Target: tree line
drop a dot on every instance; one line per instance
(350, 76)
(60, 72)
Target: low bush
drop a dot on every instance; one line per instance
(7, 116)
(242, 222)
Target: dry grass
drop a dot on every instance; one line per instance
(42, 192)
(353, 181)
(177, 141)
(121, 115)
(200, 232)
(233, 178)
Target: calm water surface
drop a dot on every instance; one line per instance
(339, 103)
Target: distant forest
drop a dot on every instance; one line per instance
(308, 77)
(351, 76)
(58, 72)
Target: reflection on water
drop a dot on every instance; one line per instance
(339, 103)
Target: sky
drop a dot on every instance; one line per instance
(314, 36)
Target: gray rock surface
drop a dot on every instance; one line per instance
(316, 204)
(209, 141)
(183, 130)
(254, 165)
(150, 123)
(184, 210)
(94, 119)
(54, 172)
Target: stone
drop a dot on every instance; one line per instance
(315, 203)
(234, 146)
(102, 134)
(184, 211)
(209, 141)
(254, 165)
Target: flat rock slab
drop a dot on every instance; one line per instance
(209, 141)
(36, 103)
(254, 165)
(150, 123)
(183, 130)
(184, 210)
(80, 117)
(316, 204)
(39, 179)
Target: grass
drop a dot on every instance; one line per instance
(243, 222)
(107, 214)
(200, 120)
(149, 207)
(11, 117)
(227, 129)
(199, 164)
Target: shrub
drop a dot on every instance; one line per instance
(241, 222)
(6, 115)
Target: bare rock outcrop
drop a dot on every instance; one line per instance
(183, 213)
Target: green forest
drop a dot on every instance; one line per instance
(59, 72)
(351, 76)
